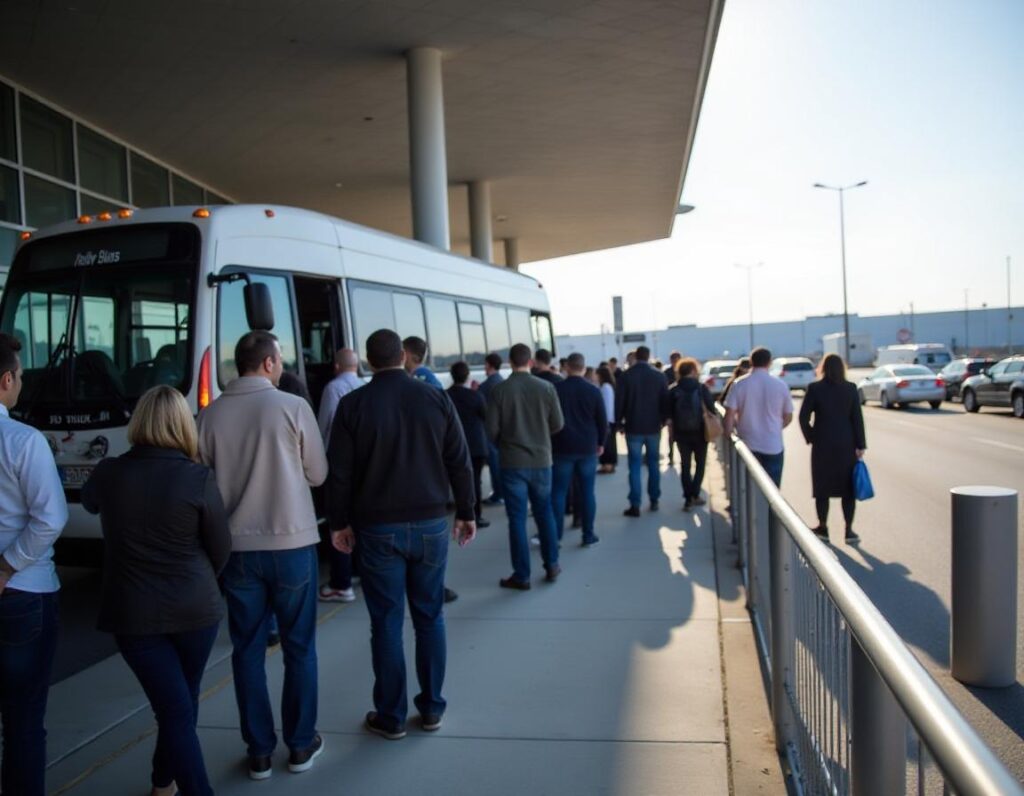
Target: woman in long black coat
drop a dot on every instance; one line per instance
(836, 438)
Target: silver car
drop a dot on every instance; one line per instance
(900, 385)
(797, 372)
(716, 373)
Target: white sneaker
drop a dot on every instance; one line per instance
(329, 595)
(535, 541)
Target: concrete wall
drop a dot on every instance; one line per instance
(986, 329)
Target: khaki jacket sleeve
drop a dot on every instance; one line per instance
(311, 445)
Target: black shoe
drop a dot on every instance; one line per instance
(493, 500)
(273, 639)
(577, 523)
(688, 504)
(852, 536)
(299, 761)
(654, 505)
(697, 500)
(374, 725)
(632, 511)
(512, 583)
(821, 532)
(593, 540)
(482, 523)
(260, 767)
(431, 722)
(449, 595)
(552, 573)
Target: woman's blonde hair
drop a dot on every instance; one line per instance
(162, 420)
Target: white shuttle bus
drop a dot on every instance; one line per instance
(108, 306)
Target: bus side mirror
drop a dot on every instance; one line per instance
(259, 309)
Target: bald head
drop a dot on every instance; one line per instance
(345, 361)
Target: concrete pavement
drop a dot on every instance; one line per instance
(607, 682)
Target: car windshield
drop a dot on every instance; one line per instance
(790, 367)
(912, 370)
(722, 370)
(99, 333)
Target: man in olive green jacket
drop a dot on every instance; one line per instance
(522, 414)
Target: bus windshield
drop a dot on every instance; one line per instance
(102, 317)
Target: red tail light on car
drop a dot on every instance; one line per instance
(902, 383)
(939, 382)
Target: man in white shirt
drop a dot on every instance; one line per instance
(346, 378)
(759, 406)
(338, 588)
(32, 515)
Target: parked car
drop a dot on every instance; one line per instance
(1000, 385)
(796, 372)
(900, 385)
(716, 373)
(958, 370)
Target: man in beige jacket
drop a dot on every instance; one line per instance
(266, 450)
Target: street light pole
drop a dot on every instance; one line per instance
(1009, 311)
(842, 245)
(750, 296)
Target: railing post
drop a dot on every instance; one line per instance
(730, 459)
(750, 538)
(740, 509)
(783, 634)
(877, 731)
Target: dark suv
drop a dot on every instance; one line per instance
(959, 369)
(1000, 385)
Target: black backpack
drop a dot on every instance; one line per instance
(687, 410)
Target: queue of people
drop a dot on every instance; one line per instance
(223, 506)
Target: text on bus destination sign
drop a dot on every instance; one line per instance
(102, 257)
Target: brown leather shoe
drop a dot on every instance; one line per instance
(552, 573)
(512, 583)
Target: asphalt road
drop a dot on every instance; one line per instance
(915, 456)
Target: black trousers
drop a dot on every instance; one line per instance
(611, 452)
(693, 450)
(479, 462)
(821, 507)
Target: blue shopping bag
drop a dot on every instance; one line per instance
(862, 489)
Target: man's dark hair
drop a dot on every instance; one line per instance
(563, 362)
(416, 346)
(290, 383)
(760, 357)
(543, 356)
(674, 356)
(384, 349)
(613, 361)
(252, 349)
(460, 372)
(9, 348)
(575, 361)
(643, 353)
(494, 360)
(519, 355)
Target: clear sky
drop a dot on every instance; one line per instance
(922, 98)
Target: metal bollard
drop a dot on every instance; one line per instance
(983, 619)
(877, 731)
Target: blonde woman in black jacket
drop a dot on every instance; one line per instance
(166, 540)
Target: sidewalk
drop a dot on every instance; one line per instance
(608, 682)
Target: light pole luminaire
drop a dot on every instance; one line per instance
(842, 245)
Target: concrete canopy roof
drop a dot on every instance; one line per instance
(579, 112)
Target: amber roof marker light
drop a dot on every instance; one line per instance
(202, 212)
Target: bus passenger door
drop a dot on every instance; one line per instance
(320, 330)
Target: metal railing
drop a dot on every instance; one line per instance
(844, 688)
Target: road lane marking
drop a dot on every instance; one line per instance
(998, 444)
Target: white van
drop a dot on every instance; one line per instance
(932, 355)
(110, 305)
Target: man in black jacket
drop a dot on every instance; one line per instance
(396, 448)
(641, 404)
(577, 446)
(472, 411)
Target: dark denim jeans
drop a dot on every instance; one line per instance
(285, 582)
(638, 456)
(28, 639)
(580, 469)
(170, 669)
(405, 561)
(693, 450)
(533, 484)
(340, 568)
(494, 466)
(772, 464)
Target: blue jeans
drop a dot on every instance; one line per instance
(28, 640)
(170, 669)
(285, 582)
(635, 445)
(772, 464)
(582, 468)
(533, 484)
(399, 562)
(495, 468)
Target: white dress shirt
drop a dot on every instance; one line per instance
(33, 511)
(761, 399)
(336, 389)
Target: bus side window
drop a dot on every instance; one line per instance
(474, 346)
(496, 326)
(409, 320)
(232, 324)
(445, 349)
(371, 310)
